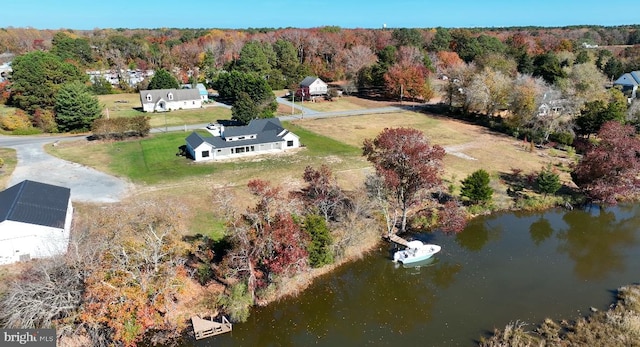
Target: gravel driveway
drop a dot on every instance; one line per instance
(87, 184)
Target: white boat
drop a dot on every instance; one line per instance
(415, 251)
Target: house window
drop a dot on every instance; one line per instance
(170, 96)
(252, 149)
(290, 143)
(240, 150)
(241, 138)
(148, 97)
(205, 154)
(221, 151)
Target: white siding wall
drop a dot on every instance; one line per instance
(172, 105)
(29, 239)
(197, 152)
(318, 87)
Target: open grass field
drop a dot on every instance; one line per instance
(154, 160)
(128, 105)
(152, 164)
(470, 147)
(346, 103)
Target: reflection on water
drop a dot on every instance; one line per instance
(504, 267)
(597, 246)
(540, 230)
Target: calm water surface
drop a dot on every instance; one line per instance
(502, 268)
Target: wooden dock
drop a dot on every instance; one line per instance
(204, 328)
(397, 239)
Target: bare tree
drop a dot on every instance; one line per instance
(43, 296)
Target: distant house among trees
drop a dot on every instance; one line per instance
(260, 136)
(204, 94)
(127, 77)
(35, 221)
(162, 100)
(5, 70)
(629, 83)
(312, 86)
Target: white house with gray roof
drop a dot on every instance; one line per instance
(162, 100)
(35, 221)
(260, 136)
(312, 86)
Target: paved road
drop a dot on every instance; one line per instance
(87, 184)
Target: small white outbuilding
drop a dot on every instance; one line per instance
(35, 221)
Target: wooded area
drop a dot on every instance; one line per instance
(547, 86)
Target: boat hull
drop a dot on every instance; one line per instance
(416, 253)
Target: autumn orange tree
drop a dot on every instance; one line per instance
(134, 267)
(407, 165)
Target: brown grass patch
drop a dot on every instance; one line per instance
(346, 103)
(494, 152)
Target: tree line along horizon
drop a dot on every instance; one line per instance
(131, 264)
(490, 65)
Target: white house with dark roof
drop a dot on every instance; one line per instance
(35, 221)
(312, 86)
(162, 100)
(258, 137)
(629, 83)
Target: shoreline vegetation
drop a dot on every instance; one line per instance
(515, 334)
(512, 334)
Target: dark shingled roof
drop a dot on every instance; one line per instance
(35, 203)
(308, 81)
(266, 131)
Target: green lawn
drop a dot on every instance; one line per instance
(154, 160)
(128, 105)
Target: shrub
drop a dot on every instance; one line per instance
(237, 302)
(319, 247)
(476, 187)
(18, 120)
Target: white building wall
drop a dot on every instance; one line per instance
(291, 137)
(318, 87)
(172, 105)
(36, 241)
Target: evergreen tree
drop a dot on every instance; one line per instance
(70, 49)
(476, 187)
(75, 107)
(101, 86)
(36, 78)
(548, 181)
(244, 109)
(231, 85)
(548, 67)
(162, 79)
(319, 247)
